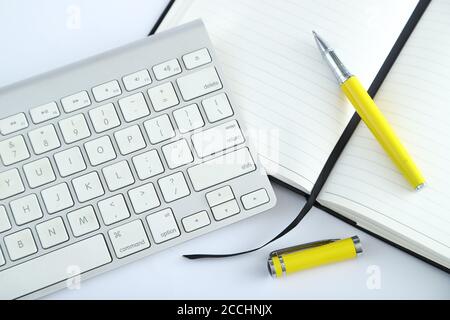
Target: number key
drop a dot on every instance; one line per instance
(13, 150)
(74, 128)
(44, 139)
(104, 117)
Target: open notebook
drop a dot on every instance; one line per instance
(296, 113)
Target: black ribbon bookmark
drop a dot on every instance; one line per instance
(311, 199)
(345, 137)
(291, 226)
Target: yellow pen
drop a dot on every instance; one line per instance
(372, 116)
(309, 255)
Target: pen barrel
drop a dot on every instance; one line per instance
(337, 251)
(382, 130)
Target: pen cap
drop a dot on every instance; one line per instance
(284, 263)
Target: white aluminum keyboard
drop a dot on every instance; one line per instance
(119, 156)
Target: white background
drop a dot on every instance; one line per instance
(37, 36)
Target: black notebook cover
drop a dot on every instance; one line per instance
(346, 135)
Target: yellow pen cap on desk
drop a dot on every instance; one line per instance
(309, 255)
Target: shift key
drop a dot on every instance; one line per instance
(220, 169)
(199, 83)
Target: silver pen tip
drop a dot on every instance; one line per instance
(340, 71)
(321, 44)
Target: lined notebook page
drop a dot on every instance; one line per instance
(415, 97)
(289, 99)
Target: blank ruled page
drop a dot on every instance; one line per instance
(291, 103)
(415, 97)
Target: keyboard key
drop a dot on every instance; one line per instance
(163, 96)
(53, 267)
(219, 196)
(113, 209)
(196, 221)
(144, 198)
(57, 198)
(13, 150)
(2, 258)
(100, 150)
(199, 83)
(118, 175)
(104, 117)
(167, 69)
(220, 169)
(255, 199)
(134, 107)
(225, 210)
(197, 58)
(83, 221)
(163, 226)
(217, 107)
(137, 80)
(74, 128)
(106, 90)
(39, 172)
(159, 129)
(75, 101)
(13, 123)
(148, 164)
(219, 138)
(70, 161)
(177, 154)
(52, 232)
(88, 187)
(173, 187)
(5, 224)
(129, 238)
(188, 118)
(44, 112)
(19, 245)
(10, 184)
(26, 209)
(44, 139)
(130, 140)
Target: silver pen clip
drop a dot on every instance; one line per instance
(302, 247)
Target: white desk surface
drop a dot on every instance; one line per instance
(39, 36)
